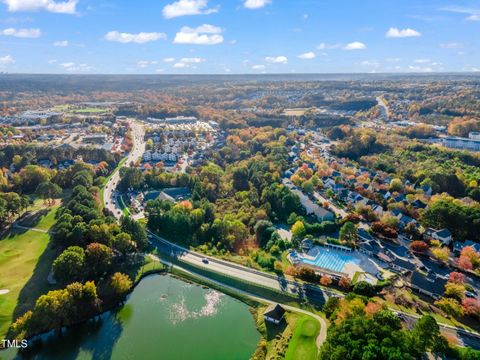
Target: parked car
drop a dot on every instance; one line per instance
(205, 260)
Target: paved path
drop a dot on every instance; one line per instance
(31, 228)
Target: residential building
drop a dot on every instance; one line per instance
(430, 285)
(443, 235)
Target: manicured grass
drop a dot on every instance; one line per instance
(25, 260)
(303, 343)
(123, 206)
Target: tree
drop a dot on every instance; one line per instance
(136, 231)
(48, 191)
(32, 176)
(450, 306)
(120, 284)
(240, 179)
(98, 258)
(419, 246)
(345, 283)
(349, 233)
(361, 337)
(456, 277)
(396, 185)
(441, 254)
(70, 264)
(364, 288)
(325, 280)
(131, 178)
(424, 334)
(307, 274)
(455, 291)
(298, 229)
(123, 243)
(263, 232)
(331, 306)
(471, 307)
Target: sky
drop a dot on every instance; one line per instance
(239, 36)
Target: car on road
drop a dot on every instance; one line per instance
(205, 260)
(470, 294)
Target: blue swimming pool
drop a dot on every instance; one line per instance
(329, 259)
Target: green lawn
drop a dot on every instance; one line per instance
(303, 343)
(25, 261)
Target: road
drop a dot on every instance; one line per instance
(137, 151)
(243, 273)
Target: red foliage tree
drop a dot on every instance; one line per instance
(456, 277)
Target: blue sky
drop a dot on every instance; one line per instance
(238, 36)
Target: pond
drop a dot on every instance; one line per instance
(164, 318)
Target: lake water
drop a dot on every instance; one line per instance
(164, 318)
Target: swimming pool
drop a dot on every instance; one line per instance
(330, 259)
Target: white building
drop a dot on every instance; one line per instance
(462, 143)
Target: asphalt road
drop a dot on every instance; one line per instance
(137, 151)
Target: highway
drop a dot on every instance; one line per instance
(138, 148)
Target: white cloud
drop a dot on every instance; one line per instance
(473, 14)
(180, 65)
(256, 4)
(52, 61)
(139, 38)
(63, 7)
(62, 43)
(203, 35)
(277, 59)
(188, 62)
(187, 7)
(6, 60)
(452, 45)
(73, 67)
(22, 33)
(192, 60)
(307, 56)
(169, 59)
(356, 45)
(258, 67)
(370, 63)
(146, 63)
(325, 46)
(413, 68)
(401, 33)
(422, 61)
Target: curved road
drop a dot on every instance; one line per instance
(137, 151)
